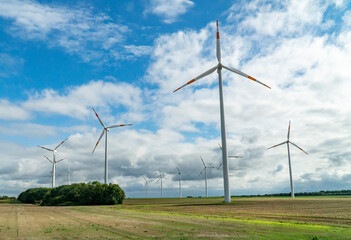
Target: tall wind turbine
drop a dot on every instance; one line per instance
(219, 67)
(161, 177)
(180, 182)
(54, 151)
(287, 144)
(146, 186)
(205, 170)
(234, 156)
(105, 131)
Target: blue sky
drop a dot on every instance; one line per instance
(124, 58)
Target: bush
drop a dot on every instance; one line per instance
(93, 193)
(32, 195)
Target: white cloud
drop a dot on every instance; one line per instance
(9, 111)
(10, 65)
(77, 31)
(287, 18)
(29, 130)
(77, 101)
(347, 18)
(169, 9)
(139, 50)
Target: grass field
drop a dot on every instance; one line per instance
(193, 218)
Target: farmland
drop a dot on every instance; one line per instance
(244, 218)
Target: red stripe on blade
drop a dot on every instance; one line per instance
(251, 78)
(191, 81)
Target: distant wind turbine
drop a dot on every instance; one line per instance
(69, 176)
(180, 182)
(161, 177)
(228, 156)
(54, 151)
(105, 131)
(53, 171)
(146, 186)
(219, 67)
(290, 171)
(205, 170)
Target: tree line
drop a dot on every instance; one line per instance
(93, 193)
(320, 193)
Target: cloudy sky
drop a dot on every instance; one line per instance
(58, 59)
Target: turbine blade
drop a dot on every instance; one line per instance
(48, 159)
(202, 161)
(289, 131)
(202, 171)
(235, 157)
(298, 147)
(178, 170)
(277, 145)
(98, 117)
(158, 180)
(218, 47)
(121, 125)
(60, 160)
(208, 72)
(220, 165)
(97, 143)
(220, 146)
(60, 144)
(244, 75)
(145, 179)
(46, 148)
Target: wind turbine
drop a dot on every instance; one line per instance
(54, 151)
(105, 131)
(53, 172)
(205, 169)
(69, 176)
(161, 177)
(219, 67)
(287, 144)
(234, 156)
(147, 186)
(180, 183)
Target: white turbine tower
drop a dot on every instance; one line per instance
(54, 151)
(205, 169)
(161, 177)
(104, 131)
(290, 171)
(146, 186)
(180, 183)
(219, 67)
(234, 156)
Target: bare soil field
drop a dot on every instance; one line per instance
(193, 218)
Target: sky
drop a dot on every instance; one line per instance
(58, 59)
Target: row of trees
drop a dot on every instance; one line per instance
(93, 193)
(320, 193)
